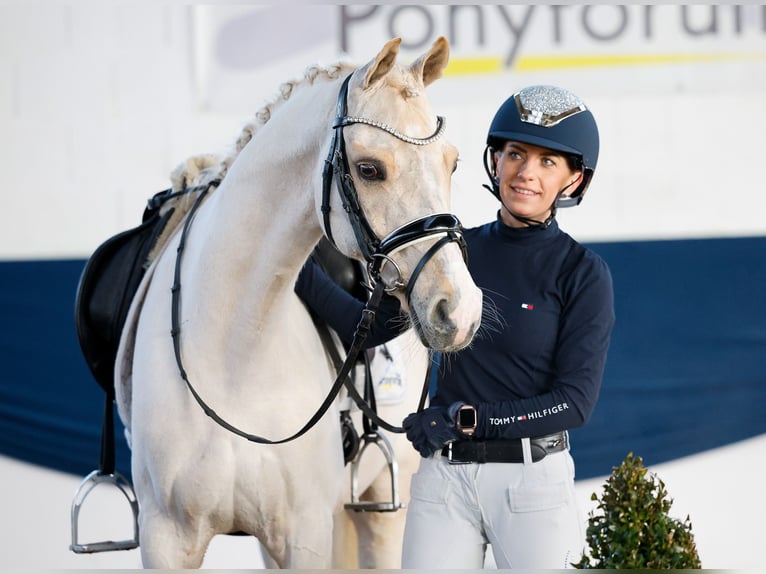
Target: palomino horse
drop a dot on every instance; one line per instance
(247, 344)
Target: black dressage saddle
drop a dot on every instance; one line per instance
(107, 286)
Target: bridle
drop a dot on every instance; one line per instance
(376, 252)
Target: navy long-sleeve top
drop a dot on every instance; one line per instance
(536, 365)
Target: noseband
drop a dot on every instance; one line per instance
(377, 252)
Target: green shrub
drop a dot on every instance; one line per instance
(632, 528)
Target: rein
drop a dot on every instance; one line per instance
(375, 251)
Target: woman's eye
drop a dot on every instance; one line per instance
(370, 171)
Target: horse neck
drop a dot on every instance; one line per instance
(261, 224)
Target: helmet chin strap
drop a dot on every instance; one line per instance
(528, 221)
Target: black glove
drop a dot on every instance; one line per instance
(432, 428)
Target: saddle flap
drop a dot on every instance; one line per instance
(105, 291)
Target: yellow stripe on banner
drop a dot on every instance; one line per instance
(533, 63)
(471, 66)
(490, 65)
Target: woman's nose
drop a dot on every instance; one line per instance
(524, 170)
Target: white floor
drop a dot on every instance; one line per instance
(721, 490)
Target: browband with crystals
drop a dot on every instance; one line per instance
(440, 126)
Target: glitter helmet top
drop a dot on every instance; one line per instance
(554, 118)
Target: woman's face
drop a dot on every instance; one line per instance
(530, 178)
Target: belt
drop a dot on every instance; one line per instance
(504, 450)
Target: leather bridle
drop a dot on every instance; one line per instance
(376, 252)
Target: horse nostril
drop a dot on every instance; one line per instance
(441, 316)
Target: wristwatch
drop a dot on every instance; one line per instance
(465, 421)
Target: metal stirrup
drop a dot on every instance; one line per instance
(86, 487)
(377, 438)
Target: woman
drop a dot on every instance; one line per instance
(503, 406)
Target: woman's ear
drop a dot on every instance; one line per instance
(577, 180)
(495, 158)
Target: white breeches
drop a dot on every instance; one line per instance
(527, 512)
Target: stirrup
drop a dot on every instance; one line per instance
(384, 445)
(86, 486)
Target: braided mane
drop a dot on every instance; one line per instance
(201, 169)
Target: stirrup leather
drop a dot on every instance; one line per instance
(377, 438)
(86, 487)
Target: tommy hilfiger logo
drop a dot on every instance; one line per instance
(554, 410)
(528, 306)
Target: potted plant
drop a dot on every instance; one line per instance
(631, 528)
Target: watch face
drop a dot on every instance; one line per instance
(467, 418)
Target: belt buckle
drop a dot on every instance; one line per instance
(449, 455)
(562, 441)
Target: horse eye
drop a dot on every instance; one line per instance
(370, 171)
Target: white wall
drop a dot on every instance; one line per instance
(99, 102)
(96, 108)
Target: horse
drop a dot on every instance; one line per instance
(216, 320)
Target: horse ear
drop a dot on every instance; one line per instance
(382, 63)
(431, 65)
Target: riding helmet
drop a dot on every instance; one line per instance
(551, 117)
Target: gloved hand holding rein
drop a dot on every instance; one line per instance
(432, 428)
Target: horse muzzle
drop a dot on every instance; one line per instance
(448, 320)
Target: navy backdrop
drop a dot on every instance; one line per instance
(684, 372)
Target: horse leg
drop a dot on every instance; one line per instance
(268, 562)
(379, 537)
(168, 544)
(380, 534)
(345, 542)
(308, 542)
(169, 534)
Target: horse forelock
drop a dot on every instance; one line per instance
(397, 99)
(405, 82)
